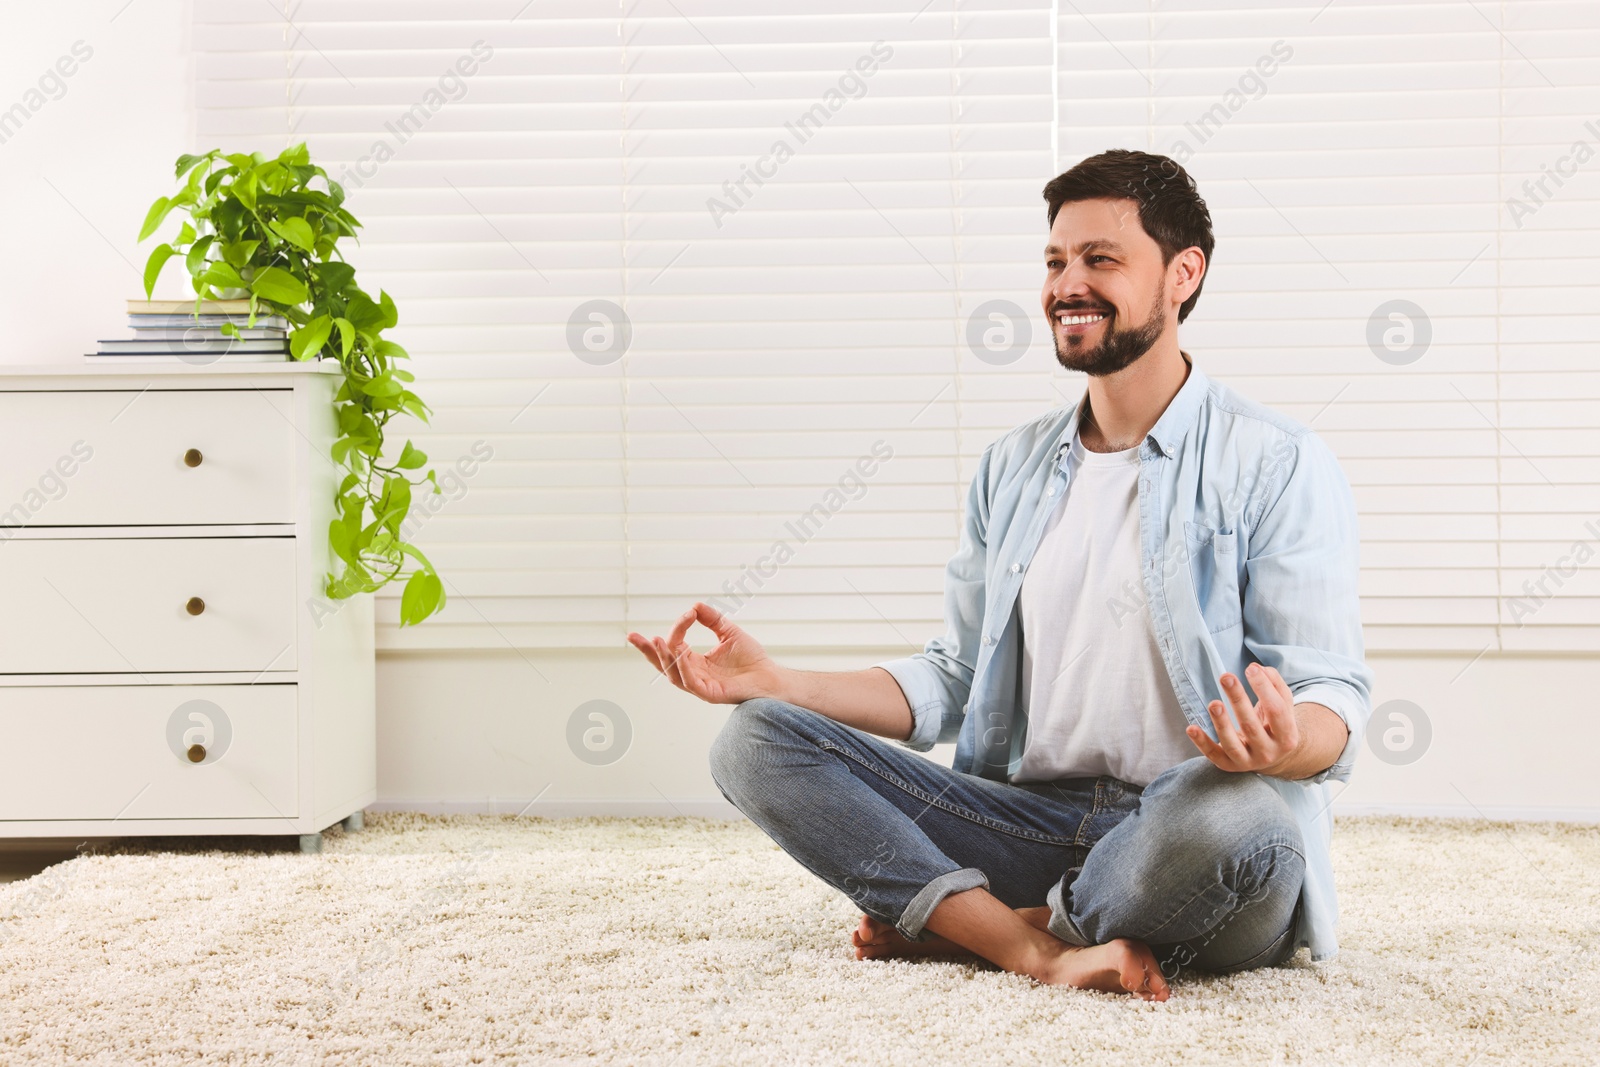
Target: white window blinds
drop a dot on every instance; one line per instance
(715, 304)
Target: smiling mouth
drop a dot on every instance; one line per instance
(1079, 320)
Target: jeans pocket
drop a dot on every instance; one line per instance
(1214, 570)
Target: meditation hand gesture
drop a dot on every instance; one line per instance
(1268, 732)
(738, 669)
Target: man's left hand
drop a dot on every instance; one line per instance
(1268, 732)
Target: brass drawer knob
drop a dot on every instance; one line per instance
(197, 753)
(195, 605)
(192, 458)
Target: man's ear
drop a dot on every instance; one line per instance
(1188, 270)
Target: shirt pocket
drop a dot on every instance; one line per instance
(1214, 570)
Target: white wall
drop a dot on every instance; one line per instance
(487, 730)
(78, 176)
(1512, 736)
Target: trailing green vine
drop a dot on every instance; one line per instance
(257, 228)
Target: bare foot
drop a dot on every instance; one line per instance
(1121, 966)
(875, 940)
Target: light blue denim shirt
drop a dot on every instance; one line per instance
(1248, 548)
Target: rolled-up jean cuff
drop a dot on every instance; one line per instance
(1060, 922)
(930, 896)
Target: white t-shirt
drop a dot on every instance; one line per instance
(1098, 696)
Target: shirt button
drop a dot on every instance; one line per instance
(1016, 568)
(988, 640)
(1051, 491)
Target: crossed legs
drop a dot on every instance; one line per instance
(1087, 882)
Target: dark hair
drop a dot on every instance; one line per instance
(1170, 208)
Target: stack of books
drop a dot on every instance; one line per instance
(170, 331)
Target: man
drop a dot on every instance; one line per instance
(1152, 666)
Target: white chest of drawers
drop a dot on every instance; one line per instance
(168, 663)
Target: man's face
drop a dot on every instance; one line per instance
(1105, 286)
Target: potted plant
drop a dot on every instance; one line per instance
(258, 228)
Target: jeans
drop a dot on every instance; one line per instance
(1202, 865)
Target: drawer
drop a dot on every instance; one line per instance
(104, 458)
(122, 752)
(115, 605)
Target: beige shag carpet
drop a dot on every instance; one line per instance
(660, 941)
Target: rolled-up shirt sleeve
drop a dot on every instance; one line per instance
(1302, 612)
(938, 680)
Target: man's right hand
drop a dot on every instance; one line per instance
(738, 669)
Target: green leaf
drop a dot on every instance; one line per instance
(347, 337)
(185, 235)
(155, 216)
(279, 286)
(309, 339)
(222, 276)
(187, 162)
(296, 231)
(244, 190)
(352, 505)
(383, 386)
(411, 458)
(196, 259)
(416, 553)
(336, 276)
(238, 253)
(394, 503)
(349, 417)
(423, 595)
(152, 266)
(386, 305)
(363, 313)
(340, 541)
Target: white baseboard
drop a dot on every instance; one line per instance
(1497, 812)
(721, 809)
(566, 809)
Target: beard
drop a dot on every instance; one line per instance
(1119, 348)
